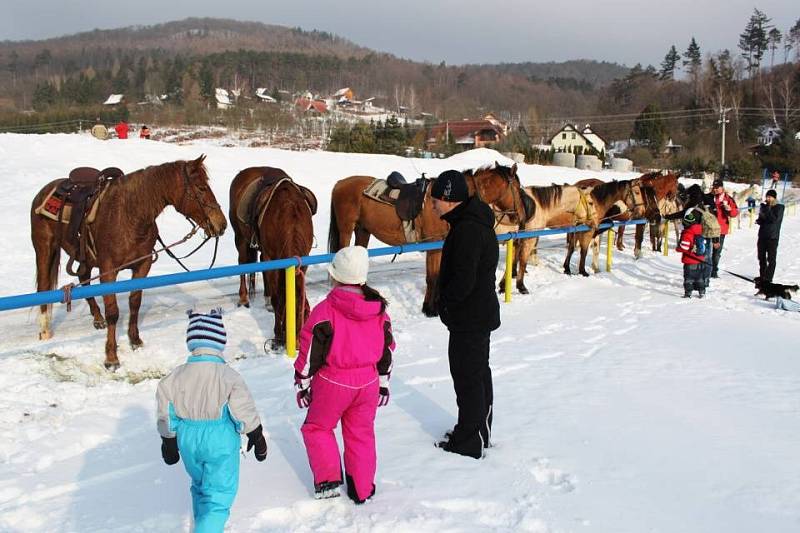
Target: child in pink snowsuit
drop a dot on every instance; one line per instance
(345, 358)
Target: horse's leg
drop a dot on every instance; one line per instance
(99, 321)
(596, 254)
(522, 262)
(112, 315)
(534, 253)
(570, 249)
(433, 259)
(620, 238)
(362, 237)
(246, 255)
(584, 243)
(48, 255)
(639, 237)
(135, 302)
(277, 284)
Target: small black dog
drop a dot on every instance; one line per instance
(771, 290)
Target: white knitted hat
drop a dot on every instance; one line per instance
(350, 265)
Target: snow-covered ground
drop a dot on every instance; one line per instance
(619, 406)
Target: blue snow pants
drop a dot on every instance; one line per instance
(210, 453)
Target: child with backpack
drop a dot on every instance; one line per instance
(342, 374)
(203, 407)
(692, 246)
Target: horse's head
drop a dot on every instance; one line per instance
(500, 187)
(197, 201)
(639, 198)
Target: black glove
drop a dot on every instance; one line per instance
(256, 438)
(169, 450)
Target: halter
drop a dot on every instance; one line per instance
(204, 206)
(637, 197)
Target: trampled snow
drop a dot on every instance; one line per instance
(619, 406)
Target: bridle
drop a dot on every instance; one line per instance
(205, 207)
(637, 197)
(500, 214)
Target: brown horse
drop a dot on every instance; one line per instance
(123, 231)
(353, 212)
(664, 187)
(279, 224)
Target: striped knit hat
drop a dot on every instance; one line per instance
(205, 333)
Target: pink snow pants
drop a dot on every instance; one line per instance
(356, 409)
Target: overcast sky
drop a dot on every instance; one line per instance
(455, 31)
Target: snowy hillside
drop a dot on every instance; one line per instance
(619, 406)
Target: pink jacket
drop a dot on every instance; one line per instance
(346, 340)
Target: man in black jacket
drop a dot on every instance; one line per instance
(770, 216)
(469, 308)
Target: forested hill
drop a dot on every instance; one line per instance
(188, 57)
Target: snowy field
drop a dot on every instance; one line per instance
(619, 406)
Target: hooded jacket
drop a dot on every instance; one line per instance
(769, 221)
(347, 340)
(466, 285)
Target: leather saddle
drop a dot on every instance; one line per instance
(256, 203)
(409, 203)
(81, 189)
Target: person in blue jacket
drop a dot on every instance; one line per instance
(203, 407)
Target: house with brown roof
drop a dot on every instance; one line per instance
(468, 133)
(308, 105)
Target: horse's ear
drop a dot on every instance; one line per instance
(514, 169)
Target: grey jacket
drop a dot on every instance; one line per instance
(199, 390)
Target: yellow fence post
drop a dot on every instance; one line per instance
(291, 339)
(665, 237)
(509, 267)
(609, 248)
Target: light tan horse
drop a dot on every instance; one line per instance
(555, 206)
(352, 212)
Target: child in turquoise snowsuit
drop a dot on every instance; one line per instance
(203, 407)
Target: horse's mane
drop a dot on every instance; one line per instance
(503, 170)
(651, 175)
(608, 189)
(547, 197)
(146, 186)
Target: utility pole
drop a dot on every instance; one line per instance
(723, 120)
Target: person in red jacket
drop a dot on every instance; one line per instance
(691, 246)
(726, 210)
(122, 130)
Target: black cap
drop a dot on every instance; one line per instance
(717, 183)
(772, 193)
(450, 186)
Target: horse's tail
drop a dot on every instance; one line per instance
(333, 230)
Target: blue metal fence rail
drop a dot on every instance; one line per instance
(78, 292)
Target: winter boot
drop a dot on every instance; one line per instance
(351, 492)
(327, 489)
(687, 294)
(471, 446)
(701, 294)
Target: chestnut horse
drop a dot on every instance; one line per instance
(353, 212)
(280, 226)
(664, 187)
(124, 231)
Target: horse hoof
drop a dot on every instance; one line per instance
(523, 290)
(585, 274)
(99, 324)
(276, 344)
(430, 313)
(135, 345)
(45, 335)
(111, 367)
(243, 304)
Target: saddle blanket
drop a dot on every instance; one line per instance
(54, 203)
(380, 191)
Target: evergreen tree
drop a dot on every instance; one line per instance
(207, 82)
(649, 128)
(793, 41)
(774, 37)
(44, 96)
(754, 40)
(668, 65)
(692, 58)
